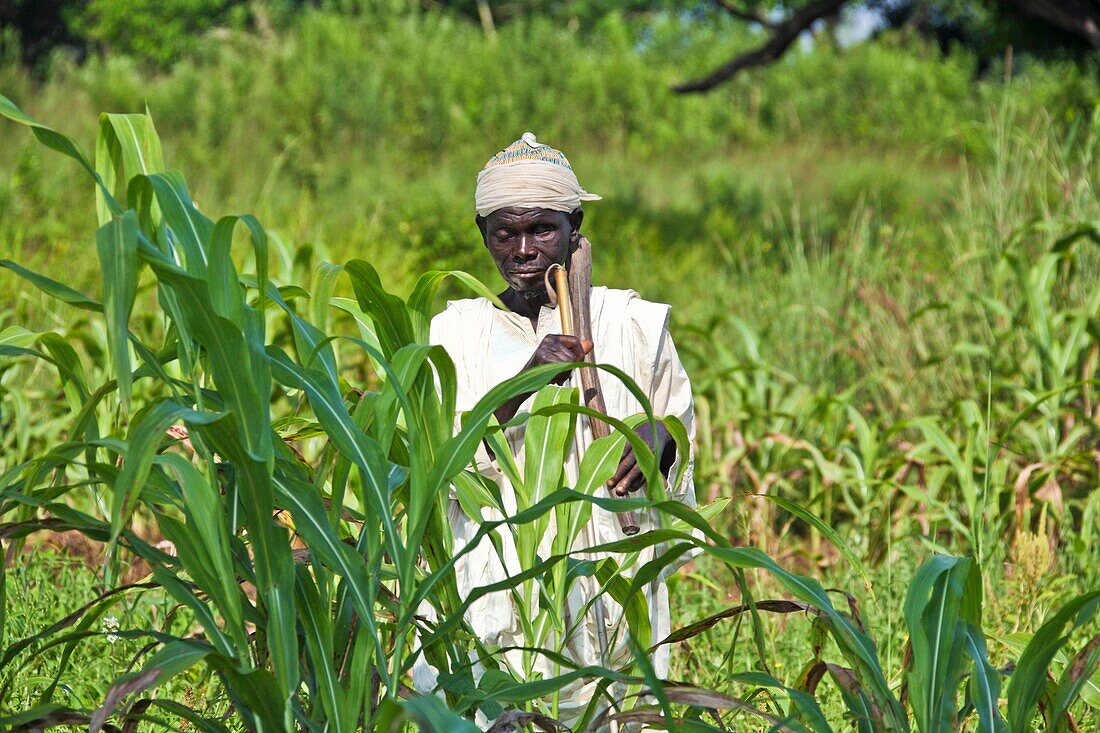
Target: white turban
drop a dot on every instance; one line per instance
(529, 175)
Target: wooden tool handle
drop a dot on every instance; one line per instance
(573, 290)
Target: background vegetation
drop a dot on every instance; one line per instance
(882, 260)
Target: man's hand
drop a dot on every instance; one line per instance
(628, 476)
(556, 349)
(553, 349)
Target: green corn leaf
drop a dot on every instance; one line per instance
(206, 516)
(328, 405)
(311, 521)
(1075, 679)
(547, 441)
(324, 281)
(985, 683)
(69, 366)
(707, 511)
(598, 465)
(642, 451)
(314, 348)
(192, 554)
(53, 288)
(362, 321)
(116, 242)
(223, 277)
(474, 491)
(401, 388)
(256, 694)
(827, 532)
(520, 518)
(459, 450)
(634, 606)
(56, 141)
(235, 356)
(65, 369)
(314, 617)
(433, 716)
(225, 285)
(502, 451)
(424, 292)
(18, 337)
(391, 317)
(125, 142)
(362, 451)
(183, 595)
(108, 163)
(682, 440)
(521, 692)
(935, 610)
(146, 437)
(656, 685)
(191, 230)
(1029, 680)
(853, 642)
(272, 557)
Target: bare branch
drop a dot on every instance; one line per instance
(1079, 17)
(752, 16)
(780, 39)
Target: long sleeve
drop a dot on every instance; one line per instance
(662, 376)
(670, 394)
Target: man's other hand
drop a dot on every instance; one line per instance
(628, 476)
(557, 349)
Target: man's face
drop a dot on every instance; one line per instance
(525, 242)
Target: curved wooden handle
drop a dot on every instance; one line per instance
(575, 298)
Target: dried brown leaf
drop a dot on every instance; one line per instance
(772, 606)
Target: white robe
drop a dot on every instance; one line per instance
(488, 346)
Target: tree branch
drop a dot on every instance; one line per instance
(780, 39)
(752, 16)
(1079, 17)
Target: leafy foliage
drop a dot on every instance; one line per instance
(156, 32)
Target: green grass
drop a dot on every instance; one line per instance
(49, 583)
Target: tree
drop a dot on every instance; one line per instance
(781, 34)
(1074, 23)
(41, 26)
(1079, 17)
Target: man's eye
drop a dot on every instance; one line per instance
(503, 235)
(543, 229)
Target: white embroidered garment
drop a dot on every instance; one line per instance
(488, 346)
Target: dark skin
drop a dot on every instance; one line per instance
(524, 243)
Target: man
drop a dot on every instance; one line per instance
(529, 213)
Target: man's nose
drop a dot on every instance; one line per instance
(525, 248)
